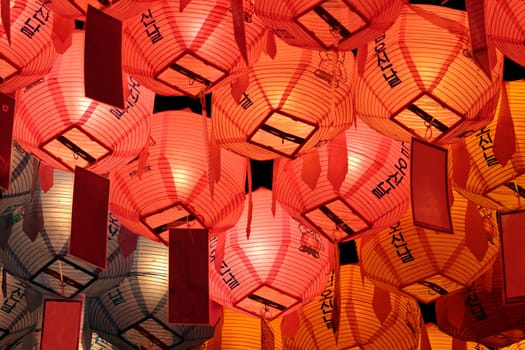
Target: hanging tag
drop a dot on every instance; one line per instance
(424, 339)
(458, 344)
(267, 338)
(461, 163)
(183, 4)
(61, 325)
(311, 168)
(270, 47)
(337, 161)
(362, 53)
(238, 27)
(381, 304)
(505, 135)
(62, 35)
(33, 218)
(127, 241)
(478, 36)
(143, 158)
(104, 80)
(5, 8)
(89, 218)
(512, 226)
(45, 176)
(429, 186)
(7, 115)
(188, 300)
(290, 325)
(219, 251)
(475, 233)
(240, 85)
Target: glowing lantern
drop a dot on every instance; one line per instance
(497, 176)
(506, 27)
(188, 52)
(373, 195)
(326, 24)
(21, 180)
(428, 264)
(477, 312)
(133, 313)
(393, 325)
(52, 271)
(175, 188)
(279, 114)
(64, 129)
(281, 266)
(31, 53)
(516, 346)
(420, 79)
(442, 341)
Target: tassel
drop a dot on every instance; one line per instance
(505, 136)
(238, 27)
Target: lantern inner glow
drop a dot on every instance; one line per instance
(7, 70)
(149, 332)
(157, 223)
(331, 21)
(269, 299)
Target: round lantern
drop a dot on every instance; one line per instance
(186, 52)
(441, 341)
(428, 264)
(420, 78)
(478, 313)
(280, 113)
(280, 266)
(51, 270)
(22, 168)
(133, 314)
(57, 123)
(31, 53)
(495, 155)
(327, 24)
(373, 195)
(371, 318)
(175, 187)
(506, 27)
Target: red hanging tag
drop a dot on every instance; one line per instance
(311, 169)
(456, 312)
(267, 338)
(381, 304)
(33, 219)
(424, 339)
(505, 135)
(240, 85)
(61, 325)
(103, 77)
(475, 233)
(478, 36)
(458, 344)
(238, 27)
(5, 8)
(219, 251)
(7, 115)
(89, 217)
(512, 226)
(63, 28)
(290, 325)
(362, 53)
(337, 160)
(270, 47)
(183, 4)
(127, 241)
(46, 177)
(188, 298)
(429, 186)
(461, 163)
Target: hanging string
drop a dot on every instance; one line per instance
(428, 130)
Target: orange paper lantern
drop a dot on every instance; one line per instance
(22, 169)
(420, 79)
(175, 188)
(280, 114)
(279, 267)
(442, 341)
(326, 24)
(56, 122)
(188, 52)
(31, 53)
(373, 194)
(428, 264)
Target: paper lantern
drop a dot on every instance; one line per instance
(393, 324)
(495, 155)
(420, 79)
(428, 264)
(442, 341)
(21, 180)
(506, 27)
(186, 52)
(477, 312)
(174, 188)
(326, 24)
(279, 267)
(373, 195)
(280, 113)
(516, 346)
(133, 314)
(31, 53)
(120, 9)
(52, 271)
(57, 123)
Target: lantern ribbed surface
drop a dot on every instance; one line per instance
(42, 269)
(280, 113)
(430, 89)
(175, 185)
(428, 264)
(516, 346)
(120, 9)
(188, 52)
(490, 182)
(321, 25)
(477, 313)
(21, 180)
(62, 127)
(506, 27)
(281, 266)
(441, 341)
(240, 332)
(134, 312)
(31, 53)
(359, 327)
(373, 195)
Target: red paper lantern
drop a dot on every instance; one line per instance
(56, 122)
(374, 189)
(280, 114)
(175, 187)
(506, 27)
(420, 78)
(326, 24)
(31, 53)
(186, 52)
(428, 264)
(280, 266)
